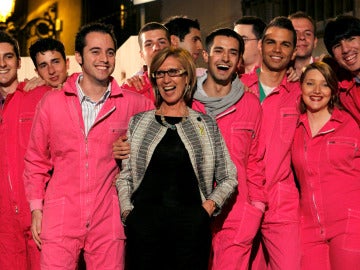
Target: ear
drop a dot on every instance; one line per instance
(78, 58)
(315, 42)
(67, 62)
(19, 63)
(293, 55)
(174, 41)
(259, 45)
(205, 55)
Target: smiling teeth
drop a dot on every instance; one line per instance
(349, 58)
(169, 88)
(223, 67)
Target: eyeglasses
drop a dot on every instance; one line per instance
(249, 39)
(171, 72)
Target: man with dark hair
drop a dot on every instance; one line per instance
(76, 207)
(222, 95)
(280, 227)
(342, 41)
(185, 33)
(17, 107)
(305, 28)
(51, 64)
(251, 29)
(152, 37)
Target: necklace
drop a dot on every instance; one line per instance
(167, 124)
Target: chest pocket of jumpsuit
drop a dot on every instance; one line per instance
(242, 135)
(25, 123)
(288, 121)
(117, 129)
(341, 152)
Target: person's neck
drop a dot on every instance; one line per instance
(251, 67)
(271, 78)
(178, 109)
(300, 63)
(216, 89)
(8, 89)
(93, 89)
(317, 120)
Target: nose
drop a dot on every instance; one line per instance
(199, 45)
(317, 89)
(166, 78)
(156, 46)
(300, 35)
(2, 62)
(103, 56)
(51, 69)
(277, 47)
(225, 56)
(345, 46)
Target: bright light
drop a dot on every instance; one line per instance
(6, 9)
(138, 2)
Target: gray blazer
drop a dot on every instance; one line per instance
(207, 150)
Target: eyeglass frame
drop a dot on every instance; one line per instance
(164, 72)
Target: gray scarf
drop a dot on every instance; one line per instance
(217, 105)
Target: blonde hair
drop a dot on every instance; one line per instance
(186, 60)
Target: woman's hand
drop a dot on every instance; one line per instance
(209, 206)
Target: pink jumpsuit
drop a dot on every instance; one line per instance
(147, 89)
(236, 226)
(350, 97)
(17, 248)
(328, 169)
(280, 227)
(79, 200)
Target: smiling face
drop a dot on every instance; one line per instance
(306, 40)
(347, 54)
(223, 58)
(172, 89)
(98, 60)
(9, 65)
(316, 92)
(277, 49)
(52, 67)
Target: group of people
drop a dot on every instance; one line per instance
(248, 163)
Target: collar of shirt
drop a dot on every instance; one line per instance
(83, 97)
(357, 80)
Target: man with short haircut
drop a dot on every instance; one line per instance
(251, 29)
(18, 250)
(76, 207)
(342, 41)
(279, 99)
(222, 95)
(51, 64)
(152, 38)
(305, 28)
(185, 33)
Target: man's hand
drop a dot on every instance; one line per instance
(33, 83)
(36, 219)
(292, 76)
(121, 148)
(136, 81)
